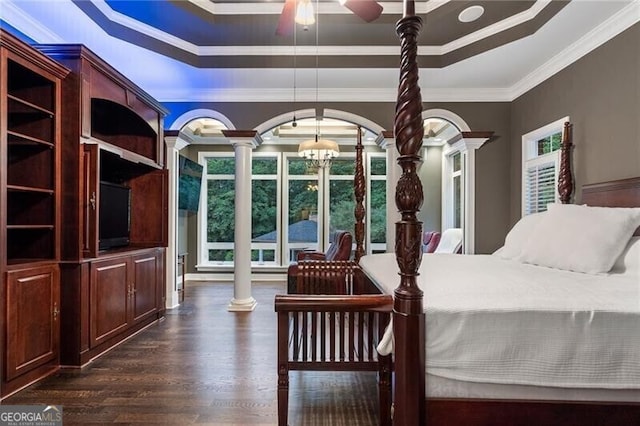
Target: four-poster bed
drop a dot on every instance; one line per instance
(408, 314)
(414, 401)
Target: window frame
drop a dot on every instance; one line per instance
(279, 184)
(203, 244)
(448, 205)
(369, 246)
(286, 177)
(531, 158)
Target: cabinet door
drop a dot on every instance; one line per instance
(90, 205)
(109, 293)
(149, 209)
(33, 298)
(145, 285)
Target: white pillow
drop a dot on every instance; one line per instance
(629, 261)
(518, 236)
(580, 238)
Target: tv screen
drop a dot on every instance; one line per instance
(189, 183)
(114, 215)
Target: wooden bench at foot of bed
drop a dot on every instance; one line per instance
(320, 330)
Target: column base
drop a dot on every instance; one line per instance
(242, 305)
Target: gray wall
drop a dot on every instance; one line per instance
(601, 95)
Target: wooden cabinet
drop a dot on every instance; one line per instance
(32, 319)
(112, 145)
(123, 293)
(30, 195)
(109, 293)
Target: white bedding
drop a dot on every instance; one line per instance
(491, 320)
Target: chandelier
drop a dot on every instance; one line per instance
(318, 152)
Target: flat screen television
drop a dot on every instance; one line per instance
(114, 215)
(189, 184)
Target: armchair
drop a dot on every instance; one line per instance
(430, 241)
(340, 249)
(451, 241)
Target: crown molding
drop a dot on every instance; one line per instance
(604, 32)
(27, 24)
(326, 95)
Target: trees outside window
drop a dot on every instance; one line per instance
(220, 202)
(292, 206)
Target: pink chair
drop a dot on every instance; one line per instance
(430, 241)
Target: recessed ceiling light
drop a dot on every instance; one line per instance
(471, 13)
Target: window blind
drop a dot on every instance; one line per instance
(540, 186)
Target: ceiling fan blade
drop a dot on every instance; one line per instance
(368, 10)
(285, 23)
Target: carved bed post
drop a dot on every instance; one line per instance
(408, 313)
(359, 189)
(565, 180)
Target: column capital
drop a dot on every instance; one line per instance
(386, 140)
(174, 141)
(469, 141)
(249, 138)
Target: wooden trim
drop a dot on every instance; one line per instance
(470, 135)
(73, 51)
(239, 133)
(442, 411)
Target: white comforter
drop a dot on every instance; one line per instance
(491, 320)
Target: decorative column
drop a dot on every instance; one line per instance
(408, 312)
(387, 142)
(243, 141)
(174, 145)
(467, 145)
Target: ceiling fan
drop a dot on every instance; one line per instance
(368, 10)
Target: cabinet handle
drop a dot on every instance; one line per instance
(92, 200)
(56, 311)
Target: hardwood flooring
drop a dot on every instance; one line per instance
(206, 366)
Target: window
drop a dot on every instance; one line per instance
(265, 209)
(376, 219)
(302, 204)
(453, 189)
(456, 190)
(341, 197)
(540, 160)
(293, 207)
(220, 205)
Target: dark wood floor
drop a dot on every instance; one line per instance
(204, 365)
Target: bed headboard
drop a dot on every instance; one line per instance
(616, 193)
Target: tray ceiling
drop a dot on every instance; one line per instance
(228, 50)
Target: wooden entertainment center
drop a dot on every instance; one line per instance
(71, 125)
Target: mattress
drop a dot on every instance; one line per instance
(496, 321)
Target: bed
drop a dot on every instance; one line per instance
(436, 400)
(514, 343)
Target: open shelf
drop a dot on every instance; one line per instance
(19, 139)
(30, 243)
(29, 120)
(30, 88)
(30, 164)
(30, 167)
